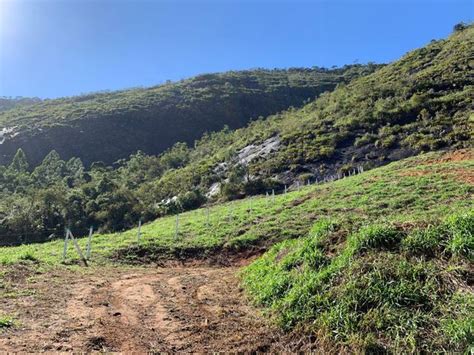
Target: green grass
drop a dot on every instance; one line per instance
(375, 262)
(396, 192)
(6, 322)
(379, 291)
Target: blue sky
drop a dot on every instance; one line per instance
(53, 48)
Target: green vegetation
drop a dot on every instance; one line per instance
(382, 287)
(417, 189)
(368, 263)
(5, 322)
(7, 103)
(108, 126)
(419, 103)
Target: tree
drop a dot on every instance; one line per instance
(51, 170)
(20, 162)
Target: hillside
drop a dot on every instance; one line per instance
(393, 245)
(7, 103)
(112, 125)
(422, 102)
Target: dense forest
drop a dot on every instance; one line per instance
(108, 126)
(419, 103)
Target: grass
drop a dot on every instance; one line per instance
(6, 322)
(379, 291)
(421, 188)
(376, 262)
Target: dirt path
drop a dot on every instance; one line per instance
(142, 309)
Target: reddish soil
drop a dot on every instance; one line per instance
(457, 155)
(465, 175)
(185, 309)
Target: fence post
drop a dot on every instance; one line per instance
(285, 189)
(89, 241)
(65, 244)
(139, 233)
(78, 249)
(176, 232)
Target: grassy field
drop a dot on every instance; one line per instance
(424, 188)
(373, 262)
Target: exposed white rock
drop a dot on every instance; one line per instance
(167, 201)
(252, 151)
(249, 153)
(7, 132)
(214, 190)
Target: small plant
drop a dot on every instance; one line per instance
(28, 256)
(6, 322)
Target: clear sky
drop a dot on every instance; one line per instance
(53, 48)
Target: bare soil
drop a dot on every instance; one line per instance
(176, 309)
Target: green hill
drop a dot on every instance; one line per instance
(112, 125)
(422, 102)
(7, 103)
(379, 261)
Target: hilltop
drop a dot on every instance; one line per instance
(108, 126)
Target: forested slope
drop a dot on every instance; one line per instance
(423, 102)
(108, 126)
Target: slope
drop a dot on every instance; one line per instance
(422, 102)
(405, 288)
(108, 126)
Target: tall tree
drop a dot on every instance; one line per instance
(20, 162)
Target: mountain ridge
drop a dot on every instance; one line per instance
(107, 126)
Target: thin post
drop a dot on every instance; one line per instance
(231, 210)
(78, 249)
(207, 216)
(273, 195)
(89, 241)
(65, 245)
(176, 232)
(286, 190)
(139, 232)
(308, 182)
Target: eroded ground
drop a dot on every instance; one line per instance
(190, 309)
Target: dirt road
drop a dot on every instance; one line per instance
(187, 309)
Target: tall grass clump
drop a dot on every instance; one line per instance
(384, 287)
